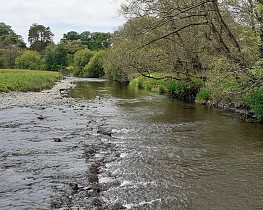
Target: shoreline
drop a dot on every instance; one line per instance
(49, 97)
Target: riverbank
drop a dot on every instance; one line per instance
(27, 80)
(54, 96)
(249, 105)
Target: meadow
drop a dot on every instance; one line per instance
(27, 80)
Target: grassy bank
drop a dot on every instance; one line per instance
(250, 102)
(180, 89)
(27, 80)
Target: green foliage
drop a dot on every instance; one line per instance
(150, 83)
(257, 69)
(92, 40)
(1, 62)
(10, 46)
(223, 80)
(96, 40)
(56, 57)
(81, 58)
(185, 90)
(29, 60)
(254, 101)
(95, 66)
(71, 35)
(202, 96)
(181, 89)
(27, 80)
(9, 38)
(39, 37)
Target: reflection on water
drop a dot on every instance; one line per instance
(178, 155)
(93, 89)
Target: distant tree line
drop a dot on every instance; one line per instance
(72, 54)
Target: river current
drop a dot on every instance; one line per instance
(118, 147)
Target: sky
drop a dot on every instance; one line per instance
(61, 16)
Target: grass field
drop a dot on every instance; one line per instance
(27, 80)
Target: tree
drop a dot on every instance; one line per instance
(92, 40)
(39, 37)
(56, 57)
(29, 60)
(96, 40)
(95, 66)
(71, 36)
(9, 38)
(81, 58)
(10, 45)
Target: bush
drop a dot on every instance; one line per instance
(81, 58)
(95, 66)
(56, 57)
(202, 95)
(184, 90)
(255, 102)
(29, 60)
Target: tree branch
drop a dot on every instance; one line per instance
(169, 34)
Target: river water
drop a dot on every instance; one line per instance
(117, 147)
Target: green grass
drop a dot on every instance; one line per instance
(27, 80)
(181, 89)
(255, 102)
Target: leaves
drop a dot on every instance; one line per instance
(39, 37)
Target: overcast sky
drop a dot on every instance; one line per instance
(61, 16)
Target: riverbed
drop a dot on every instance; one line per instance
(105, 145)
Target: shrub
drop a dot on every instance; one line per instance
(56, 57)
(95, 66)
(202, 95)
(81, 58)
(184, 90)
(29, 60)
(255, 102)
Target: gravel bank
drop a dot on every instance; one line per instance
(36, 99)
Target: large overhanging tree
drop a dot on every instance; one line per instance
(188, 38)
(186, 31)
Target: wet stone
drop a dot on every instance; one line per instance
(57, 140)
(117, 206)
(40, 117)
(93, 178)
(96, 202)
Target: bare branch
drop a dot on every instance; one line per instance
(169, 34)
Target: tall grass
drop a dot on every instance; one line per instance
(27, 80)
(181, 89)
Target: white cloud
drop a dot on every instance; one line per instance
(61, 16)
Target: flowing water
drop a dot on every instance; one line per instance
(118, 147)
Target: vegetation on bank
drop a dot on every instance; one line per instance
(181, 89)
(27, 80)
(198, 91)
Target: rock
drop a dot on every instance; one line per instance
(104, 132)
(96, 202)
(57, 140)
(40, 117)
(117, 206)
(93, 178)
(74, 186)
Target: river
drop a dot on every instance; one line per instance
(116, 147)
